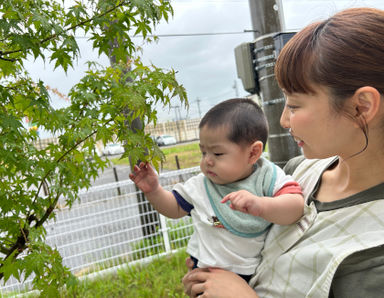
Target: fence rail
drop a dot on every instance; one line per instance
(108, 228)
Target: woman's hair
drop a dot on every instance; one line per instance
(243, 117)
(342, 53)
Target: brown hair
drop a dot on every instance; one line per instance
(343, 53)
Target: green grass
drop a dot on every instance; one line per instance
(155, 244)
(160, 278)
(188, 154)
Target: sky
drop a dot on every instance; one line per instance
(204, 59)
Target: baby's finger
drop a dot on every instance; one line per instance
(189, 263)
(226, 199)
(136, 169)
(132, 176)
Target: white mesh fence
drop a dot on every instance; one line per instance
(113, 224)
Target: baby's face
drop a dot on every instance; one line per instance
(223, 161)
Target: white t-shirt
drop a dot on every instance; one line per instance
(211, 244)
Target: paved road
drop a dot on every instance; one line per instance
(122, 171)
(108, 176)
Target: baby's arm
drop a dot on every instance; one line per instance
(283, 209)
(162, 200)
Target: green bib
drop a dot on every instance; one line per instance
(261, 183)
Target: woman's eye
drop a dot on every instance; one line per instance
(291, 107)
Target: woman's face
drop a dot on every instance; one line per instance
(318, 129)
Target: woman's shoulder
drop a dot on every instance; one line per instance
(293, 163)
(303, 165)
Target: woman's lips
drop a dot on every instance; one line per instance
(299, 142)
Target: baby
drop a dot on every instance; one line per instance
(238, 195)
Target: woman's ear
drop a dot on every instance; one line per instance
(367, 102)
(256, 151)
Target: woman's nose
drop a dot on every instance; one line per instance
(284, 118)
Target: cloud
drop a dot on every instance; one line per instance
(299, 13)
(205, 63)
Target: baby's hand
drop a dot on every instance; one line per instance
(244, 201)
(144, 177)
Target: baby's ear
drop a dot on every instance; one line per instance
(255, 152)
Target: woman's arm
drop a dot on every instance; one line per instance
(215, 282)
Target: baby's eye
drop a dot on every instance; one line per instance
(218, 154)
(203, 153)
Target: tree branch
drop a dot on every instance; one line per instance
(4, 250)
(48, 212)
(6, 59)
(62, 157)
(53, 36)
(21, 241)
(19, 245)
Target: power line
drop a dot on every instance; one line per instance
(202, 34)
(187, 34)
(217, 96)
(212, 1)
(182, 2)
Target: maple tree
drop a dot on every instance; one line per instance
(102, 107)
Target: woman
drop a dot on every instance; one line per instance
(332, 74)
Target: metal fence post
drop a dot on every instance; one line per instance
(164, 231)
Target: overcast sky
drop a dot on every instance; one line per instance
(205, 63)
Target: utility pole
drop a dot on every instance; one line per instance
(235, 87)
(177, 119)
(268, 22)
(148, 216)
(198, 106)
(265, 16)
